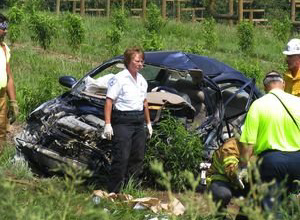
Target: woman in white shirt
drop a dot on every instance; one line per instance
(126, 109)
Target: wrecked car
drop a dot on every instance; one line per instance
(209, 97)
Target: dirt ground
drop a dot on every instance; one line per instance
(12, 130)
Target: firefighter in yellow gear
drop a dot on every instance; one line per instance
(224, 178)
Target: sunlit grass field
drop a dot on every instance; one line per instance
(36, 71)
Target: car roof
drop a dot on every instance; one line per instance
(181, 61)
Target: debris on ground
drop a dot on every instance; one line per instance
(174, 207)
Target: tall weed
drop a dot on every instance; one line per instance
(15, 16)
(43, 29)
(75, 30)
(154, 22)
(251, 70)
(115, 34)
(169, 137)
(246, 37)
(152, 40)
(209, 34)
(281, 28)
(32, 6)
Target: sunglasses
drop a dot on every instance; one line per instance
(3, 26)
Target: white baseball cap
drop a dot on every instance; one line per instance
(292, 47)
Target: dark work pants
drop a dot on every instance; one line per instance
(223, 192)
(128, 147)
(281, 166)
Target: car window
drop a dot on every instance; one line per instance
(176, 75)
(114, 69)
(150, 72)
(238, 103)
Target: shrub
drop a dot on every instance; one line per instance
(15, 16)
(281, 28)
(153, 24)
(115, 34)
(152, 41)
(251, 70)
(196, 49)
(32, 6)
(177, 149)
(119, 19)
(246, 36)
(75, 30)
(209, 33)
(43, 29)
(11, 3)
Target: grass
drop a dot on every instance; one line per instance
(36, 72)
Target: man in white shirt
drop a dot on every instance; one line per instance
(6, 84)
(126, 109)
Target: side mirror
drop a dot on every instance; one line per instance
(67, 81)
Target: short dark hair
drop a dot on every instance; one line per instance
(3, 18)
(131, 51)
(272, 76)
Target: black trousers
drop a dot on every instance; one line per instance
(223, 192)
(128, 147)
(284, 168)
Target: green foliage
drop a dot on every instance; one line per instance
(15, 16)
(29, 197)
(11, 3)
(119, 19)
(46, 88)
(75, 31)
(177, 149)
(196, 49)
(32, 6)
(246, 36)
(115, 34)
(209, 34)
(154, 22)
(38, 198)
(152, 40)
(281, 28)
(43, 29)
(14, 33)
(251, 70)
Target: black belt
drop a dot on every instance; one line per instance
(117, 112)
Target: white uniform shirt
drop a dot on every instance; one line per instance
(4, 58)
(128, 94)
